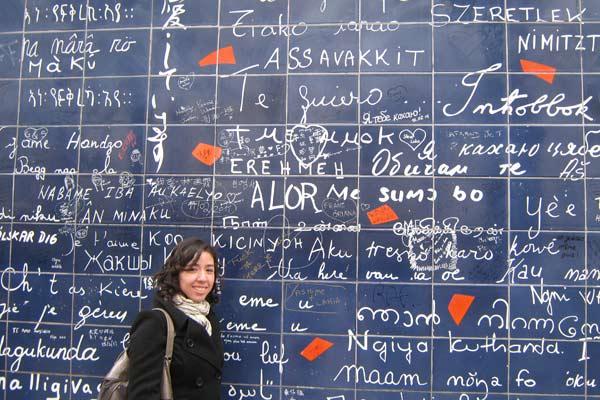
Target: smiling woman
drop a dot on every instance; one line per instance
(197, 279)
(186, 289)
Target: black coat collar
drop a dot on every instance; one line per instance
(194, 331)
(178, 316)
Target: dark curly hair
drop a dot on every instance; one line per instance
(186, 252)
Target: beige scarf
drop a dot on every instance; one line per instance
(196, 311)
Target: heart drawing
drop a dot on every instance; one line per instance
(340, 210)
(413, 138)
(307, 143)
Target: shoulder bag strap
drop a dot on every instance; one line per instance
(166, 390)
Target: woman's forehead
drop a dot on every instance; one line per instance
(203, 257)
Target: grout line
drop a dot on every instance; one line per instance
(144, 157)
(508, 194)
(585, 215)
(76, 200)
(358, 156)
(284, 221)
(13, 205)
(433, 137)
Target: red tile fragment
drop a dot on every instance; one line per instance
(315, 348)
(459, 305)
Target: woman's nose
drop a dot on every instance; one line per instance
(201, 275)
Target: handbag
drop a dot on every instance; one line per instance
(114, 384)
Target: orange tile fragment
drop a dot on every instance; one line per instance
(542, 71)
(223, 55)
(382, 214)
(206, 153)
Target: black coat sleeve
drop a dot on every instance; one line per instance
(146, 354)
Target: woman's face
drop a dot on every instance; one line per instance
(197, 280)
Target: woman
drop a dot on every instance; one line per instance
(185, 288)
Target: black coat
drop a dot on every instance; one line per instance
(197, 357)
